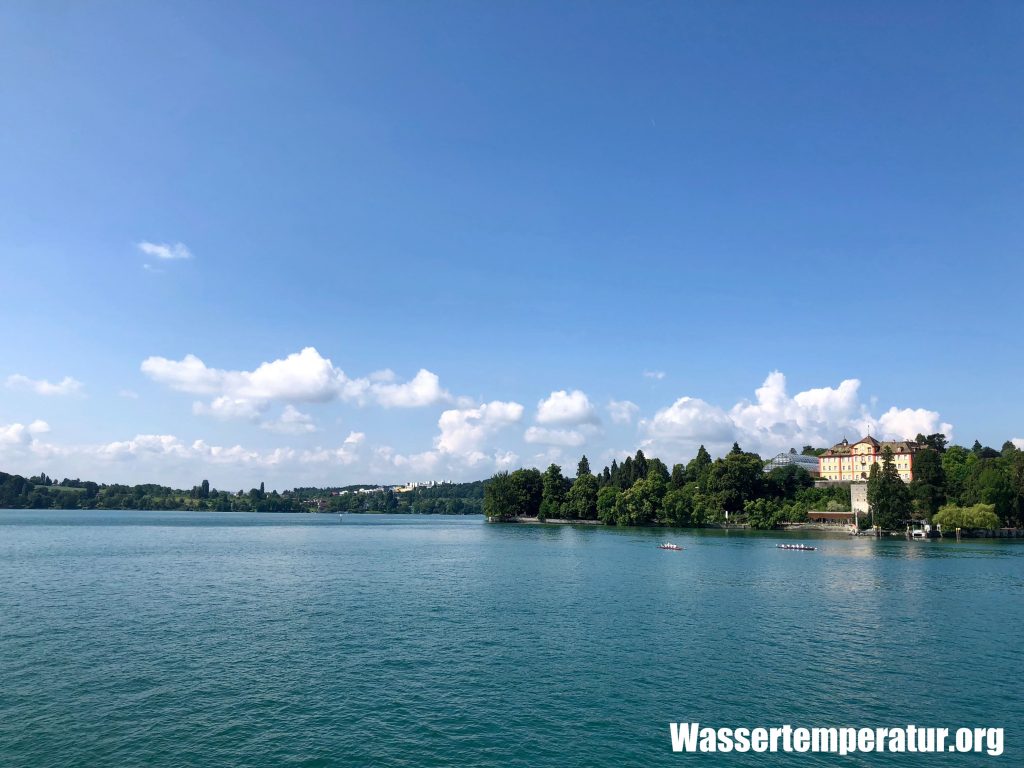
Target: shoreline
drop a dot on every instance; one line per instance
(980, 533)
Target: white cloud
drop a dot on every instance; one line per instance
(227, 408)
(907, 423)
(165, 251)
(143, 446)
(658, 375)
(774, 421)
(568, 438)
(21, 435)
(1018, 442)
(346, 454)
(622, 411)
(420, 464)
(423, 389)
(464, 431)
(552, 455)
(128, 394)
(809, 417)
(506, 460)
(66, 386)
(189, 374)
(292, 421)
(301, 377)
(566, 409)
(690, 420)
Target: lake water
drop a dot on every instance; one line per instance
(183, 639)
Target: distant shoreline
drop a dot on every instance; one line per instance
(980, 533)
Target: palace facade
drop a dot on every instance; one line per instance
(853, 462)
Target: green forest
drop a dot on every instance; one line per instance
(44, 492)
(949, 480)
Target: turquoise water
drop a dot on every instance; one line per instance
(181, 639)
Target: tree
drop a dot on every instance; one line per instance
(554, 487)
(785, 482)
(583, 468)
(625, 478)
(956, 466)
(508, 496)
(888, 495)
(529, 491)
(978, 516)
(735, 479)
(500, 497)
(607, 501)
(736, 450)
(639, 466)
(204, 490)
(697, 469)
(678, 478)
(937, 441)
(677, 506)
(581, 501)
(657, 467)
(763, 513)
(928, 487)
(995, 487)
(641, 504)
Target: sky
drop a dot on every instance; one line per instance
(332, 243)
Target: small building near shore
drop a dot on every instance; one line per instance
(832, 518)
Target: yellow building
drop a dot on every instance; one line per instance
(853, 462)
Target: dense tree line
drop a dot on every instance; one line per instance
(43, 492)
(441, 499)
(959, 478)
(644, 491)
(735, 488)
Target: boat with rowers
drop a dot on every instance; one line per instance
(797, 547)
(670, 545)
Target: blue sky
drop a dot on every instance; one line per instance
(696, 211)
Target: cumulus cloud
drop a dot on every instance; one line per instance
(622, 411)
(157, 450)
(568, 438)
(465, 431)
(774, 421)
(506, 460)
(345, 454)
(301, 377)
(292, 421)
(907, 423)
(419, 464)
(689, 420)
(66, 386)
(423, 389)
(21, 435)
(566, 409)
(165, 251)
(1018, 442)
(143, 445)
(228, 408)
